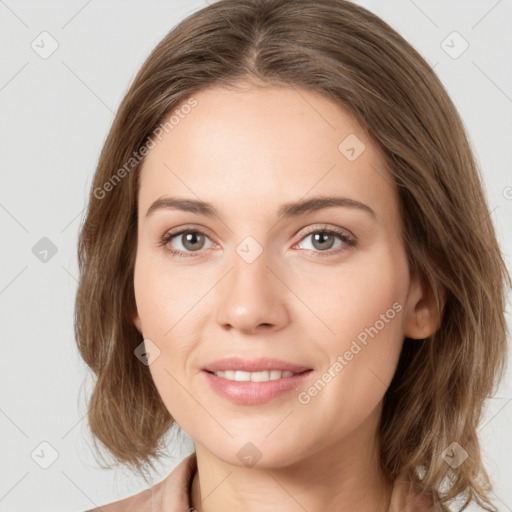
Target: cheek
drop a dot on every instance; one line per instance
(349, 299)
(364, 309)
(161, 297)
(165, 305)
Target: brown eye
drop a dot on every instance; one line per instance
(192, 240)
(185, 242)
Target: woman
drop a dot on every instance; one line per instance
(288, 255)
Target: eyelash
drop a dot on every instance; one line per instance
(347, 240)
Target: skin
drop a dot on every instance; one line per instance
(247, 151)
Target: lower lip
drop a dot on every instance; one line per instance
(253, 393)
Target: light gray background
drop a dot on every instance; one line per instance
(55, 114)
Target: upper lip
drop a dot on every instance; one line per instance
(253, 365)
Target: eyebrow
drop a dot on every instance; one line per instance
(286, 210)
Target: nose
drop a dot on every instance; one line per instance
(252, 297)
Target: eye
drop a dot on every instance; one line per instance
(324, 238)
(191, 240)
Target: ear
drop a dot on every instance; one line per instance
(136, 321)
(422, 316)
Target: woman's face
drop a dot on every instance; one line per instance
(323, 288)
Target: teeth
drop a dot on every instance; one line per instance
(263, 376)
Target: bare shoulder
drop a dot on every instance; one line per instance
(140, 502)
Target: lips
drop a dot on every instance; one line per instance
(254, 365)
(256, 393)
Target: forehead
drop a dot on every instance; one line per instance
(265, 145)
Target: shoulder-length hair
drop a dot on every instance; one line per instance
(351, 56)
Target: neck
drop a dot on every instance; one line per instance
(340, 477)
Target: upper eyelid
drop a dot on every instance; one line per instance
(171, 233)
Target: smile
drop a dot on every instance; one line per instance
(263, 376)
(254, 388)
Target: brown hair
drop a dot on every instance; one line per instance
(352, 57)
